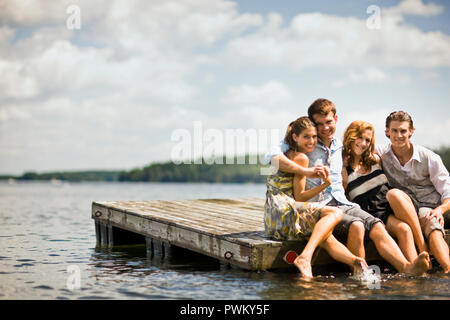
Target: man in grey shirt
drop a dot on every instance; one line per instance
(356, 224)
(421, 174)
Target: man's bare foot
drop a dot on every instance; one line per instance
(420, 265)
(358, 264)
(304, 266)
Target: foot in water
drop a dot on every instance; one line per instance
(304, 266)
(420, 265)
(359, 264)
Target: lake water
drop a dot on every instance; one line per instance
(47, 237)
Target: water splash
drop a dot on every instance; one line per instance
(370, 276)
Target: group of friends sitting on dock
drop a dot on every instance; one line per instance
(338, 194)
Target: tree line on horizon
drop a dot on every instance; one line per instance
(171, 172)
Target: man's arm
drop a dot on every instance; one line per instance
(440, 178)
(278, 160)
(283, 163)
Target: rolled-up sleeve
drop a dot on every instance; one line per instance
(276, 150)
(439, 175)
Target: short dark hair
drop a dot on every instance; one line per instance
(399, 116)
(321, 106)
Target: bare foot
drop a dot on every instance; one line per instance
(358, 264)
(420, 265)
(304, 266)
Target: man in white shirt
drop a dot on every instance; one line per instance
(421, 174)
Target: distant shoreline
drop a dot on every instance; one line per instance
(170, 172)
(160, 172)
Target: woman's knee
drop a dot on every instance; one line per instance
(395, 194)
(403, 230)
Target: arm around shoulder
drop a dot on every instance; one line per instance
(301, 159)
(285, 164)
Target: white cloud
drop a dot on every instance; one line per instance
(315, 39)
(272, 93)
(414, 7)
(32, 12)
(146, 27)
(368, 75)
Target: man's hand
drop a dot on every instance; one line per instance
(282, 163)
(321, 171)
(436, 213)
(318, 171)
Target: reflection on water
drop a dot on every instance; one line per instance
(46, 229)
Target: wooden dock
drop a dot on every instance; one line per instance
(231, 230)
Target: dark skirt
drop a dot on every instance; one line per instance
(376, 203)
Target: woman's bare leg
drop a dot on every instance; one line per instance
(402, 232)
(330, 217)
(404, 210)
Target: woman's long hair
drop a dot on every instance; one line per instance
(297, 126)
(353, 132)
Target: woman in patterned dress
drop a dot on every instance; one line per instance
(288, 215)
(367, 185)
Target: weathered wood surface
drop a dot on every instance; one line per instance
(231, 230)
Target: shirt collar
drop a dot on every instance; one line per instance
(334, 143)
(415, 155)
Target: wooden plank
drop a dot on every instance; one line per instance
(199, 218)
(232, 213)
(216, 210)
(205, 221)
(208, 244)
(220, 214)
(119, 217)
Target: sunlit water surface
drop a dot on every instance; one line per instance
(47, 233)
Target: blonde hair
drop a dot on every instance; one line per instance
(353, 132)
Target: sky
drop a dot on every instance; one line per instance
(111, 84)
